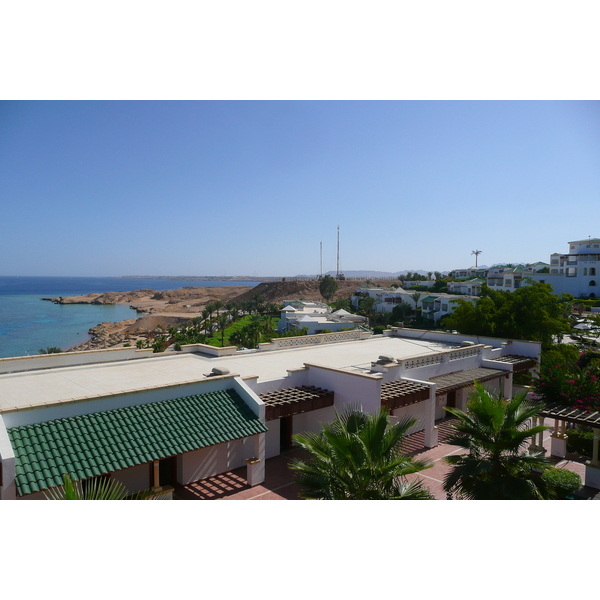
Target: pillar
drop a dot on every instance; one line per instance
(430, 431)
(255, 470)
(8, 485)
(507, 385)
(156, 475)
(592, 467)
(558, 442)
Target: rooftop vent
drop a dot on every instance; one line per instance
(466, 343)
(386, 359)
(218, 371)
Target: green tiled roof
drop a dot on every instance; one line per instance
(102, 442)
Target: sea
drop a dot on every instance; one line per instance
(28, 323)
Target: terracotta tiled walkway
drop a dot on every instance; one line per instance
(279, 483)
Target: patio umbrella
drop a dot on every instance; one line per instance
(582, 326)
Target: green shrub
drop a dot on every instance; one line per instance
(378, 329)
(580, 442)
(177, 347)
(565, 482)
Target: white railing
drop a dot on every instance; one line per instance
(466, 353)
(315, 340)
(424, 361)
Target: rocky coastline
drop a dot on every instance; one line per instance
(161, 310)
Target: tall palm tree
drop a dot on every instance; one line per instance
(222, 322)
(358, 457)
(416, 296)
(497, 467)
(217, 305)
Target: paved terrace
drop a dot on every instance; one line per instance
(279, 483)
(69, 383)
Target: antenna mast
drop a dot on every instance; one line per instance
(476, 253)
(321, 276)
(337, 275)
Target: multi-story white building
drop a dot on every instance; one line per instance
(471, 287)
(577, 272)
(435, 305)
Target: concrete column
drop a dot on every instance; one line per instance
(156, 474)
(558, 442)
(595, 462)
(462, 397)
(255, 471)
(431, 433)
(507, 385)
(592, 467)
(8, 489)
(541, 437)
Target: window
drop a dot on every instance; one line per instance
(555, 261)
(592, 270)
(592, 283)
(542, 281)
(508, 282)
(444, 307)
(585, 271)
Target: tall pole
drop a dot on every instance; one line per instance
(321, 260)
(337, 276)
(476, 253)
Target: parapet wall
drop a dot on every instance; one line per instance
(16, 364)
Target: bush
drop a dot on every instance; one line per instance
(378, 329)
(177, 347)
(580, 442)
(566, 483)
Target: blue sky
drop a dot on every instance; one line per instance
(252, 187)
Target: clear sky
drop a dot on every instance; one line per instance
(252, 187)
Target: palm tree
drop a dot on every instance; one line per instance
(50, 350)
(416, 296)
(217, 305)
(98, 488)
(222, 321)
(358, 457)
(494, 431)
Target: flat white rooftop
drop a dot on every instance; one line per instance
(62, 384)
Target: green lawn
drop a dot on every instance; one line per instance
(215, 340)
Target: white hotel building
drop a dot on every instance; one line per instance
(166, 420)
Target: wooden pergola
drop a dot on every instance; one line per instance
(402, 393)
(568, 414)
(294, 401)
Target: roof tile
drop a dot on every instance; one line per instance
(98, 443)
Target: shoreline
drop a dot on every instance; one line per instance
(155, 311)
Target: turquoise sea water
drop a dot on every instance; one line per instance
(28, 323)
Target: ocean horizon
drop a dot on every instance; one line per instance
(28, 323)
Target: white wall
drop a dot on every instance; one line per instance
(207, 462)
(135, 479)
(412, 411)
(272, 439)
(8, 491)
(71, 359)
(349, 388)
